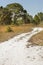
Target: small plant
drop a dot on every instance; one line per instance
(9, 29)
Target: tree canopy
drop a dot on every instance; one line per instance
(36, 19)
(15, 14)
(15, 7)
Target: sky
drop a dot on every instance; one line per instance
(32, 6)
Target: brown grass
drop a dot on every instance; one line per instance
(16, 30)
(37, 39)
(41, 24)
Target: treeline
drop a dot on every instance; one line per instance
(15, 14)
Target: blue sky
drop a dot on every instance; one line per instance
(32, 6)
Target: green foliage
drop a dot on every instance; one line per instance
(30, 19)
(12, 13)
(15, 7)
(9, 29)
(40, 15)
(36, 20)
(20, 21)
(5, 16)
(24, 11)
(18, 10)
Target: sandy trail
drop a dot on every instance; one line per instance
(14, 51)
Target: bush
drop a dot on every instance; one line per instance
(36, 20)
(19, 21)
(9, 29)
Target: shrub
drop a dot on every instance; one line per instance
(9, 29)
(19, 21)
(36, 20)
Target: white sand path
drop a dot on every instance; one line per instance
(14, 51)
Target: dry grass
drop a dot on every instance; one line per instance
(16, 30)
(41, 24)
(37, 39)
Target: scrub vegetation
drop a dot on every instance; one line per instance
(14, 19)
